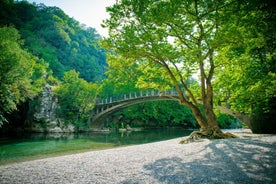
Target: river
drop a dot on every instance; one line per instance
(36, 146)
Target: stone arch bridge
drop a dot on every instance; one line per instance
(105, 107)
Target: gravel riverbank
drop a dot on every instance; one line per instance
(249, 159)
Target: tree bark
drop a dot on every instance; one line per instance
(208, 126)
(199, 117)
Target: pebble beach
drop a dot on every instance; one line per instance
(248, 159)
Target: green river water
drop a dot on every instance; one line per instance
(36, 146)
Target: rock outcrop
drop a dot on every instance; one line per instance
(44, 117)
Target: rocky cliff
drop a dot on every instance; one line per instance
(44, 117)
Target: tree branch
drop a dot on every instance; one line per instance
(185, 85)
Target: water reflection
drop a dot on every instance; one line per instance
(37, 145)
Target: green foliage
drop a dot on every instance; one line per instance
(159, 114)
(76, 98)
(60, 41)
(121, 75)
(246, 77)
(231, 43)
(52, 81)
(21, 74)
(153, 77)
(172, 41)
(122, 78)
(227, 121)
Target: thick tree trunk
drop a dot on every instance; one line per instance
(199, 117)
(211, 132)
(208, 126)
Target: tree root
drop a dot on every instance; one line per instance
(198, 136)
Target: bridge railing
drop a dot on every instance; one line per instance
(134, 95)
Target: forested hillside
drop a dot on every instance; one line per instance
(56, 38)
(40, 45)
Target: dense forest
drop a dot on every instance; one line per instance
(42, 45)
(64, 53)
(39, 45)
(62, 42)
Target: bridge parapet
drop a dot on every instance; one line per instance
(104, 107)
(135, 95)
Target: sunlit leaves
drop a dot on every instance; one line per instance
(246, 73)
(153, 77)
(178, 36)
(121, 75)
(76, 96)
(56, 38)
(20, 74)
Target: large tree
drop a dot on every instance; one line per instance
(179, 38)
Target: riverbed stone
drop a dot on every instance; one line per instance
(249, 159)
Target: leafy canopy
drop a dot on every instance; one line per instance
(246, 75)
(173, 41)
(52, 35)
(76, 97)
(21, 75)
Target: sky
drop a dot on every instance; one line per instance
(88, 12)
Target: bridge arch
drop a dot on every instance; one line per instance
(104, 108)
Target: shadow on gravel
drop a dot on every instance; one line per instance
(226, 161)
